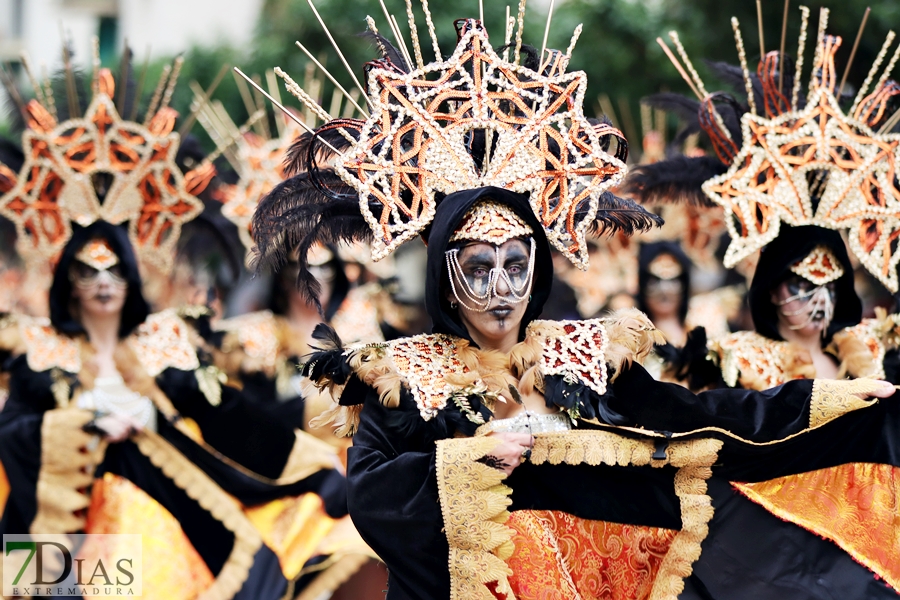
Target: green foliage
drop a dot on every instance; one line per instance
(617, 48)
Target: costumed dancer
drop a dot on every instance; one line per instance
(503, 456)
(262, 351)
(805, 169)
(117, 420)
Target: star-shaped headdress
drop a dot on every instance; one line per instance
(471, 120)
(99, 166)
(811, 160)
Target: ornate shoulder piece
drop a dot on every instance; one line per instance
(756, 362)
(861, 349)
(431, 366)
(257, 334)
(357, 319)
(46, 348)
(575, 350)
(163, 341)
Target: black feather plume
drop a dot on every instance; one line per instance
(388, 51)
(309, 150)
(620, 214)
(677, 179)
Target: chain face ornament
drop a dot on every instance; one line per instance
(475, 285)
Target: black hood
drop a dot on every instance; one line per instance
(646, 253)
(791, 245)
(135, 310)
(447, 217)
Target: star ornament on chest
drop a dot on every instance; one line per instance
(99, 167)
(426, 133)
(817, 167)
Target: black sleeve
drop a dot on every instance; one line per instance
(20, 442)
(393, 501)
(758, 416)
(237, 427)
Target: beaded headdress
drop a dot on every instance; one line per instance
(820, 266)
(794, 158)
(472, 120)
(491, 222)
(97, 254)
(97, 165)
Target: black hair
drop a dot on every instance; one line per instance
(135, 309)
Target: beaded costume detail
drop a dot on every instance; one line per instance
(438, 106)
(820, 266)
(56, 185)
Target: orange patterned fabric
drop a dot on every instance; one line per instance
(857, 506)
(559, 556)
(171, 567)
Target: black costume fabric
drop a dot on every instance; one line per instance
(244, 451)
(394, 498)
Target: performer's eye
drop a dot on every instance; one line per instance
(479, 272)
(514, 269)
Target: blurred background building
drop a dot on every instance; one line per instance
(165, 27)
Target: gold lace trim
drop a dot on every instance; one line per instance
(831, 398)
(473, 503)
(203, 490)
(67, 469)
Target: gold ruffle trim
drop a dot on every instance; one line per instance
(474, 502)
(473, 505)
(199, 487)
(68, 459)
(831, 398)
(335, 574)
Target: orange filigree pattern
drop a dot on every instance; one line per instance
(417, 143)
(262, 168)
(816, 166)
(99, 167)
(855, 505)
(559, 556)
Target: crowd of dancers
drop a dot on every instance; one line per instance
(486, 352)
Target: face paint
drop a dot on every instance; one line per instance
(86, 277)
(474, 280)
(816, 302)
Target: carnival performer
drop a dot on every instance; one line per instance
(117, 420)
(808, 323)
(496, 411)
(261, 350)
(664, 287)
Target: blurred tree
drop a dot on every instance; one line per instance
(617, 48)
